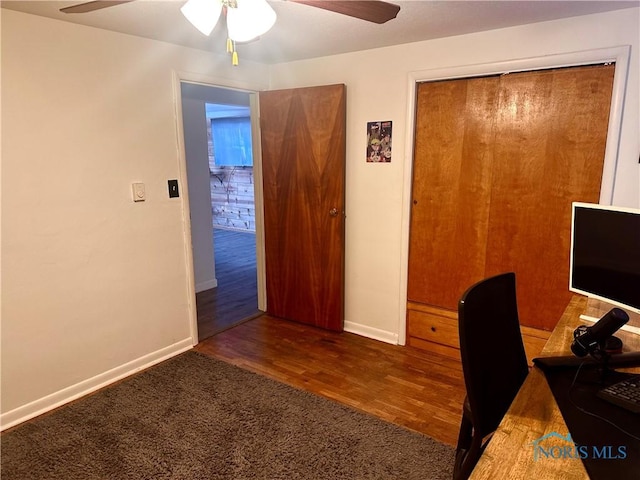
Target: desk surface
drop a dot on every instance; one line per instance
(535, 413)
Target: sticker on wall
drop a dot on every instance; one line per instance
(379, 142)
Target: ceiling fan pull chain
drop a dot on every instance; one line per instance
(234, 56)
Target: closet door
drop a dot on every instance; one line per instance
(497, 163)
(451, 190)
(551, 129)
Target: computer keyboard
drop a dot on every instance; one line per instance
(625, 394)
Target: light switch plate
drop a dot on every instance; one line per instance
(138, 192)
(173, 188)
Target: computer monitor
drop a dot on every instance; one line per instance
(605, 254)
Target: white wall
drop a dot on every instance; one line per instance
(196, 153)
(378, 89)
(94, 286)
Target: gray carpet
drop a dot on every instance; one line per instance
(193, 417)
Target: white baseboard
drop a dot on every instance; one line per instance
(66, 395)
(209, 284)
(370, 332)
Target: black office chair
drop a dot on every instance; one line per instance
(494, 363)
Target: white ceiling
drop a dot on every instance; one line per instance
(304, 32)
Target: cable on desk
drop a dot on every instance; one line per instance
(586, 412)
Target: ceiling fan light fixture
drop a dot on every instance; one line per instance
(249, 19)
(203, 14)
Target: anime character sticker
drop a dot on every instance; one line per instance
(379, 142)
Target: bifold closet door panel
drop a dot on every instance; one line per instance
(453, 161)
(551, 130)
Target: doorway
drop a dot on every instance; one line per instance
(218, 151)
(323, 258)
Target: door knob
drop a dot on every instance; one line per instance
(333, 212)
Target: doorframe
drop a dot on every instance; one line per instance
(619, 55)
(252, 89)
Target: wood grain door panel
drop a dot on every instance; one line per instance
(497, 162)
(451, 188)
(303, 156)
(548, 153)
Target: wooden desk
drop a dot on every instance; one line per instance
(534, 413)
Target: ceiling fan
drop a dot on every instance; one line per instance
(371, 11)
(247, 20)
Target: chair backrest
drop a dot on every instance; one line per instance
(493, 356)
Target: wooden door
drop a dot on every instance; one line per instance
(498, 161)
(303, 162)
(547, 154)
(451, 188)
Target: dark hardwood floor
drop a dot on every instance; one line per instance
(413, 388)
(235, 299)
(419, 390)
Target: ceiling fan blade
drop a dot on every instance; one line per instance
(372, 11)
(91, 6)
